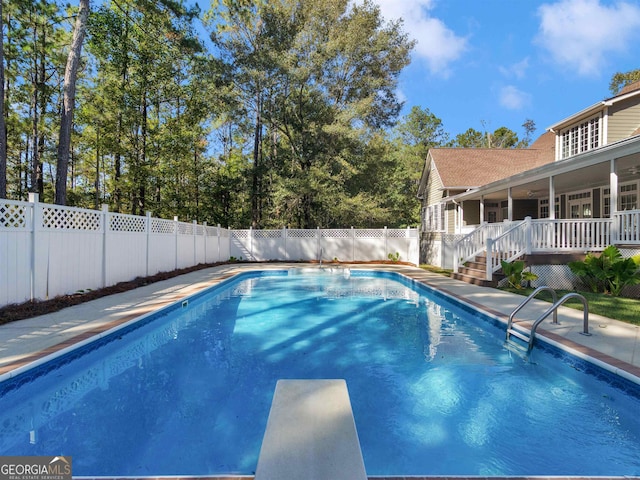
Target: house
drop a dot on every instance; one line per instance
(574, 190)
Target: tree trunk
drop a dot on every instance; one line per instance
(69, 95)
(3, 129)
(256, 173)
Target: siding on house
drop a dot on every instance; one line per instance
(451, 218)
(624, 119)
(434, 186)
(471, 212)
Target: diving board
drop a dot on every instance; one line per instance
(311, 434)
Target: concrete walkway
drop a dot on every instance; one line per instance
(613, 344)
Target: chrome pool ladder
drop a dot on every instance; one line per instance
(529, 337)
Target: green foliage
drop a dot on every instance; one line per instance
(502, 137)
(515, 273)
(621, 80)
(608, 272)
(394, 257)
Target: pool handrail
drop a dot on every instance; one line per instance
(533, 294)
(553, 309)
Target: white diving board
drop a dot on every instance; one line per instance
(311, 434)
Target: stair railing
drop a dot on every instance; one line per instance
(474, 243)
(512, 244)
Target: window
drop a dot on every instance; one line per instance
(580, 204)
(543, 208)
(434, 218)
(581, 138)
(627, 198)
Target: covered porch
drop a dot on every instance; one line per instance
(580, 204)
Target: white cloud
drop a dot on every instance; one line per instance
(513, 99)
(517, 70)
(580, 34)
(438, 45)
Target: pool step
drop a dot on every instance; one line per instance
(310, 434)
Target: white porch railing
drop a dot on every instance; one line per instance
(546, 236)
(570, 234)
(627, 226)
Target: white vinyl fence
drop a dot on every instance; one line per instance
(50, 250)
(345, 245)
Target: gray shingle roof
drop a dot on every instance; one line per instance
(473, 167)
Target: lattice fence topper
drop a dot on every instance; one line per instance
(119, 222)
(240, 233)
(297, 233)
(13, 216)
(185, 228)
(211, 231)
(162, 226)
(336, 233)
(70, 219)
(369, 233)
(267, 233)
(398, 233)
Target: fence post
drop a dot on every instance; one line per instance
(318, 245)
(175, 239)
(250, 244)
(194, 234)
(35, 221)
(489, 259)
(386, 243)
(204, 239)
(147, 231)
(284, 241)
(353, 244)
(105, 233)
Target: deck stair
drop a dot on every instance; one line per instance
(475, 272)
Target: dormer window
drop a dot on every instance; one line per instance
(580, 138)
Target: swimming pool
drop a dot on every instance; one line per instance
(433, 390)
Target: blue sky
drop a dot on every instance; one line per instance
(490, 63)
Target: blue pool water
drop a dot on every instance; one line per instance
(433, 390)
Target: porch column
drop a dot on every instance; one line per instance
(461, 217)
(509, 205)
(613, 202)
(482, 210)
(552, 198)
(613, 188)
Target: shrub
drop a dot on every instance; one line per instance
(515, 273)
(608, 273)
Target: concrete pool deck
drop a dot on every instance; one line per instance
(24, 342)
(613, 343)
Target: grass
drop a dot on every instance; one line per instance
(438, 270)
(618, 308)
